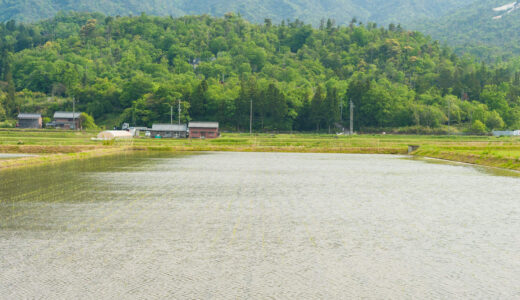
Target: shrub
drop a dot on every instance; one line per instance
(494, 121)
(87, 122)
(8, 124)
(478, 128)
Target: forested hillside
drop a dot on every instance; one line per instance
(310, 11)
(132, 69)
(466, 25)
(479, 30)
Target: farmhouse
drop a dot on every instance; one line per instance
(204, 130)
(29, 121)
(66, 120)
(169, 131)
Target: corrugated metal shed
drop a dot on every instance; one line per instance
(169, 127)
(24, 116)
(66, 115)
(204, 125)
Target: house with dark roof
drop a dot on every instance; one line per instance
(66, 120)
(29, 121)
(169, 131)
(204, 130)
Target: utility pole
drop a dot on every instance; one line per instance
(179, 111)
(171, 114)
(351, 117)
(74, 112)
(251, 117)
(449, 113)
(341, 112)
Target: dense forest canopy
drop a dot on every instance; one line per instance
(467, 25)
(133, 69)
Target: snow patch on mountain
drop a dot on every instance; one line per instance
(505, 7)
(508, 8)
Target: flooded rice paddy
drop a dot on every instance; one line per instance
(13, 156)
(258, 225)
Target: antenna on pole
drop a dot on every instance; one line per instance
(351, 117)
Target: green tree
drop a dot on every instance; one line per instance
(478, 128)
(199, 101)
(217, 45)
(494, 121)
(317, 107)
(88, 30)
(331, 107)
(495, 98)
(277, 107)
(136, 88)
(3, 115)
(87, 122)
(257, 57)
(10, 102)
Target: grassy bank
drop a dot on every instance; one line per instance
(496, 160)
(59, 145)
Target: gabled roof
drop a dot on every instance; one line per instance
(24, 116)
(204, 125)
(169, 127)
(66, 115)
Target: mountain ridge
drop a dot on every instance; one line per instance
(489, 29)
(310, 11)
(479, 29)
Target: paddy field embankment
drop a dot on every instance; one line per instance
(51, 146)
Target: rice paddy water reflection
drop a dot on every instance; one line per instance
(257, 225)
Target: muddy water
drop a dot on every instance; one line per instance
(252, 225)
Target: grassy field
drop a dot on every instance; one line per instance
(501, 152)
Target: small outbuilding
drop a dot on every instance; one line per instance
(114, 135)
(169, 131)
(29, 121)
(204, 130)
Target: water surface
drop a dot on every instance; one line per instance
(13, 156)
(258, 225)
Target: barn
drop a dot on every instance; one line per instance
(169, 131)
(204, 130)
(29, 121)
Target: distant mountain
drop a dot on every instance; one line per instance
(311, 11)
(506, 9)
(489, 29)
